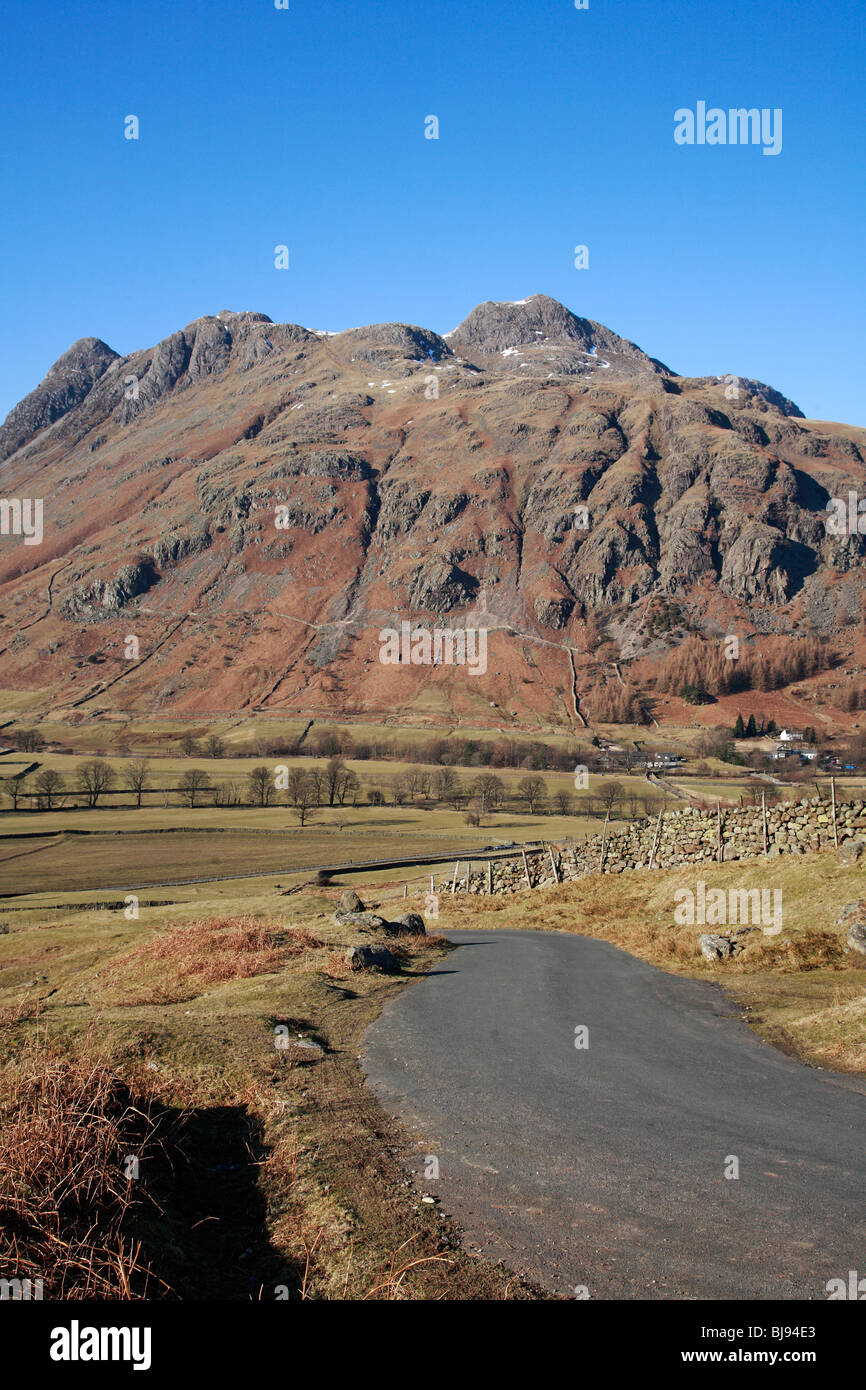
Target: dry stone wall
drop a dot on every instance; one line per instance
(686, 836)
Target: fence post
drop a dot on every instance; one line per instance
(454, 879)
(553, 863)
(655, 839)
(526, 869)
(603, 841)
(720, 852)
(489, 876)
(764, 817)
(833, 794)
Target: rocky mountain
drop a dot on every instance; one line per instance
(254, 502)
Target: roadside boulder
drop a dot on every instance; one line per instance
(409, 924)
(350, 902)
(367, 957)
(715, 947)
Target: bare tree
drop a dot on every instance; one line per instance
(136, 777)
(333, 778)
(28, 740)
(349, 786)
(95, 778)
(295, 778)
(611, 793)
(304, 796)
(316, 776)
(489, 792)
(444, 782)
(14, 788)
(563, 803)
(533, 791)
(226, 794)
(50, 789)
(458, 795)
(262, 786)
(188, 744)
(215, 746)
(194, 784)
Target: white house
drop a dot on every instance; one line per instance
(791, 736)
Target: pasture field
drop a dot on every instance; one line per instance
(266, 842)
(116, 845)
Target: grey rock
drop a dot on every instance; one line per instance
(410, 924)
(715, 947)
(849, 853)
(367, 957)
(553, 612)
(762, 561)
(769, 394)
(371, 920)
(856, 938)
(439, 587)
(103, 598)
(350, 902)
(172, 550)
(495, 326)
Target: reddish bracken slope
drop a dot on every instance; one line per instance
(420, 477)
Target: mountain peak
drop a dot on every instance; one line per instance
(499, 324)
(65, 385)
(540, 325)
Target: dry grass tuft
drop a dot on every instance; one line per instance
(68, 1127)
(21, 1012)
(336, 966)
(810, 950)
(836, 1033)
(181, 962)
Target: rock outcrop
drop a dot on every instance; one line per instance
(65, 386)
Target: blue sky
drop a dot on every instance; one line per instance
(305, 127)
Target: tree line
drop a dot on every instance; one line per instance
(332, 785)
(330, 742)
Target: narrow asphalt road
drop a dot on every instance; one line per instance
(602, 1168)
